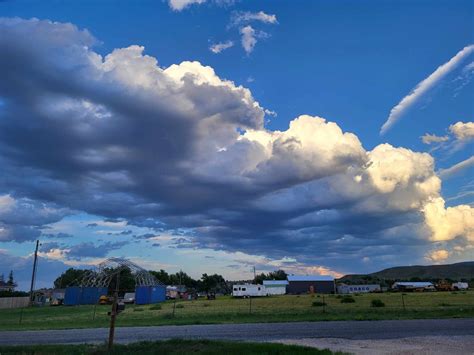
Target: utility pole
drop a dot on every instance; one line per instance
(254, 274)
(33, 274)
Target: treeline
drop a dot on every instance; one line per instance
(207, 283)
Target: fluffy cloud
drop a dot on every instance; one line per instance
(219, 47)
(438, 255)
(249, 38)
(449, 223)
(462, 131)
(182, 148)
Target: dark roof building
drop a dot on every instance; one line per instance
(298, 284)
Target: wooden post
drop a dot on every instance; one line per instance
(113, 314)
(403, 302)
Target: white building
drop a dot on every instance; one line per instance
(275, 287)
(345, 289)
(248, 290)
(460, 286)
(413, 286)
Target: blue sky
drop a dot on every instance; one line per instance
(200, 210)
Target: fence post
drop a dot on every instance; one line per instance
(250, 304)
(324, 305)
(174, 306)
(93, 314)
(403, 302)
(21, 315)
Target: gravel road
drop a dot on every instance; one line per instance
(289, 332)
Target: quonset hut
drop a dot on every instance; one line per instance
(298, 284)
(95, 283)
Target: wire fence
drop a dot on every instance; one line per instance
(226, 308)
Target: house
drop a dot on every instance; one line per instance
(275, 287)
(347, 289)
(248, 290)
(413, 286)
(298, 284)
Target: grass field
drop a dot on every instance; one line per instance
(167, 347)
(267, 309)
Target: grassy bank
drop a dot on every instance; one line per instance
(167, 347)
(268, 309)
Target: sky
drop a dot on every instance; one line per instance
(212, 136)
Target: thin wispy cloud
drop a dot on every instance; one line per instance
(244, 17)
(433, 138)
(457, 168)
(424, 86)
(222, 46)
(179, 5)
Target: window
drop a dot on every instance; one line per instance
(244, 289)
(235, 288)
(259, 288)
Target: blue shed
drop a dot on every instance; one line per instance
(150, 294)
(76, 295)
(72, 296)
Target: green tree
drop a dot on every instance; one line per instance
(71, 277)
(161, 276)
(274, 275)
(126, 280)
(11, 281)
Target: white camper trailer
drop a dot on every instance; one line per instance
(248, 290)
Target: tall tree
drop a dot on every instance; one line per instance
(70, 277)
(10, 281)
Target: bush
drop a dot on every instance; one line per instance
(444, 304)
(348, 299)
(206, 305)
(155, 307)
(318, 304)
(377, 303)
(339, 296)
(138, 309)
(180, 305)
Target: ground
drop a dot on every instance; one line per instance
(266, 309)
(167, 347)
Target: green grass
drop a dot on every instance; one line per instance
(285, 308)
(167, 347)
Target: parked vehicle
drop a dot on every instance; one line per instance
(129, 298)
(249, 290)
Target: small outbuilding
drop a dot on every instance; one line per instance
(275, 287)
(348, 289)
(298, 284)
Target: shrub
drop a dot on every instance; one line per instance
(318, 304)
(180, 305)
(155, 307)
(348, 299)
(339, 296)
(377, 303)
(138, 309)
(206, 305)
(444, 304)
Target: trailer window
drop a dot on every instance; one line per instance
(244, 289)
(235, 288)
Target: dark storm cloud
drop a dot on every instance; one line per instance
(181, 151)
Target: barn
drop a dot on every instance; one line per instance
(298, 284)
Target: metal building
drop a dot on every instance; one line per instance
(275, 287)
(298, 284)
(346, 289)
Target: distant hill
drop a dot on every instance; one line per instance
(458, 271)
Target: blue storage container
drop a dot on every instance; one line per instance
(72, 296)
(150, 294)
(158, 294)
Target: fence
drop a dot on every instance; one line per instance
(13, 302)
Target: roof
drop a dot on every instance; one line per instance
(414, 284)
(310, 278)
(275, 282)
